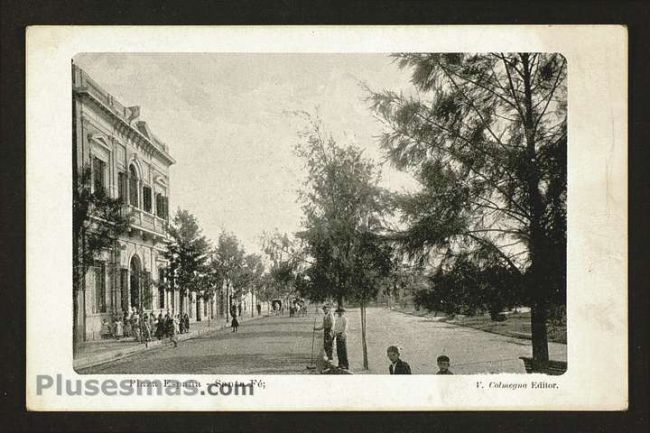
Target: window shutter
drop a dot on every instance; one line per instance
(99, 168)
(124, 283)
(146, 198)
(121, 187)
(146, 279)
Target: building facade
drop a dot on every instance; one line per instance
(132, 164)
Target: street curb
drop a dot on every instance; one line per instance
(115, 355)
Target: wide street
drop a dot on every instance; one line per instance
(282, 345)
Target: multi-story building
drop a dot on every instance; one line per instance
(129, 162)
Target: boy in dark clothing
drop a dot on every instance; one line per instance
(186, 319)
(170, 331)
(397, 365)
(234, 323)
(443, 365)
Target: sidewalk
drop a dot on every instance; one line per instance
(92, 353)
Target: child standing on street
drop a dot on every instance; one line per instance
(443, 365)
(397, 366)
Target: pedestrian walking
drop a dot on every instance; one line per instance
(152, 324)
(340, 329)
(119, 327)
(259, 310)
(177, 328)
(145, 329)
(181, 324)
(235, 323)
(169, 329)
(160, 327)
(127, 325)
(186, 319)
(397, 366)
(135, 326)
(328, 333)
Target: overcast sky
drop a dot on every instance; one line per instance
(224, 118)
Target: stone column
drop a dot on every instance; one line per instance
(192, 305)
(200, 309)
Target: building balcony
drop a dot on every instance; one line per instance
(147, 225)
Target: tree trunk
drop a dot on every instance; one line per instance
(537, 237)
(538, 315)
(364, 344)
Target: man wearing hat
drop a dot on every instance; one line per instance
(340, 327)
(328, 333)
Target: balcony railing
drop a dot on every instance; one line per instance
(144, 220)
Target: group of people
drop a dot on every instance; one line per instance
(334, 331)
(398, 366)
(297, 308)
(144, 327)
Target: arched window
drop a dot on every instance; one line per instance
(133, 186)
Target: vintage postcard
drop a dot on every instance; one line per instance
(283, 218)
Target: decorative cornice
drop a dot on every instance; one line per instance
(100, 139)
(125, 128)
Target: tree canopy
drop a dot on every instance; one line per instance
(227, 260)
(98, 220)
(286, 260)
(342, 207)
(485, 135)
(187, 253)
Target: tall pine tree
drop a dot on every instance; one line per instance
(486, 135)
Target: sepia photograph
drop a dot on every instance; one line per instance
(400, 213)
(223, 218)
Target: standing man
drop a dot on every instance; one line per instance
(340, 327)
(328, 333)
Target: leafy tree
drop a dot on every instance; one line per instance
(266, 290)
(342, 205)
(227, 263)
(486, 137)
(470, 289)
(251, 277)
(98, 220)
(187, 253)
(286, 257)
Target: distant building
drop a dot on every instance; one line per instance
(129, 162)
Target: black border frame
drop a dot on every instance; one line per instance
(17, 15)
